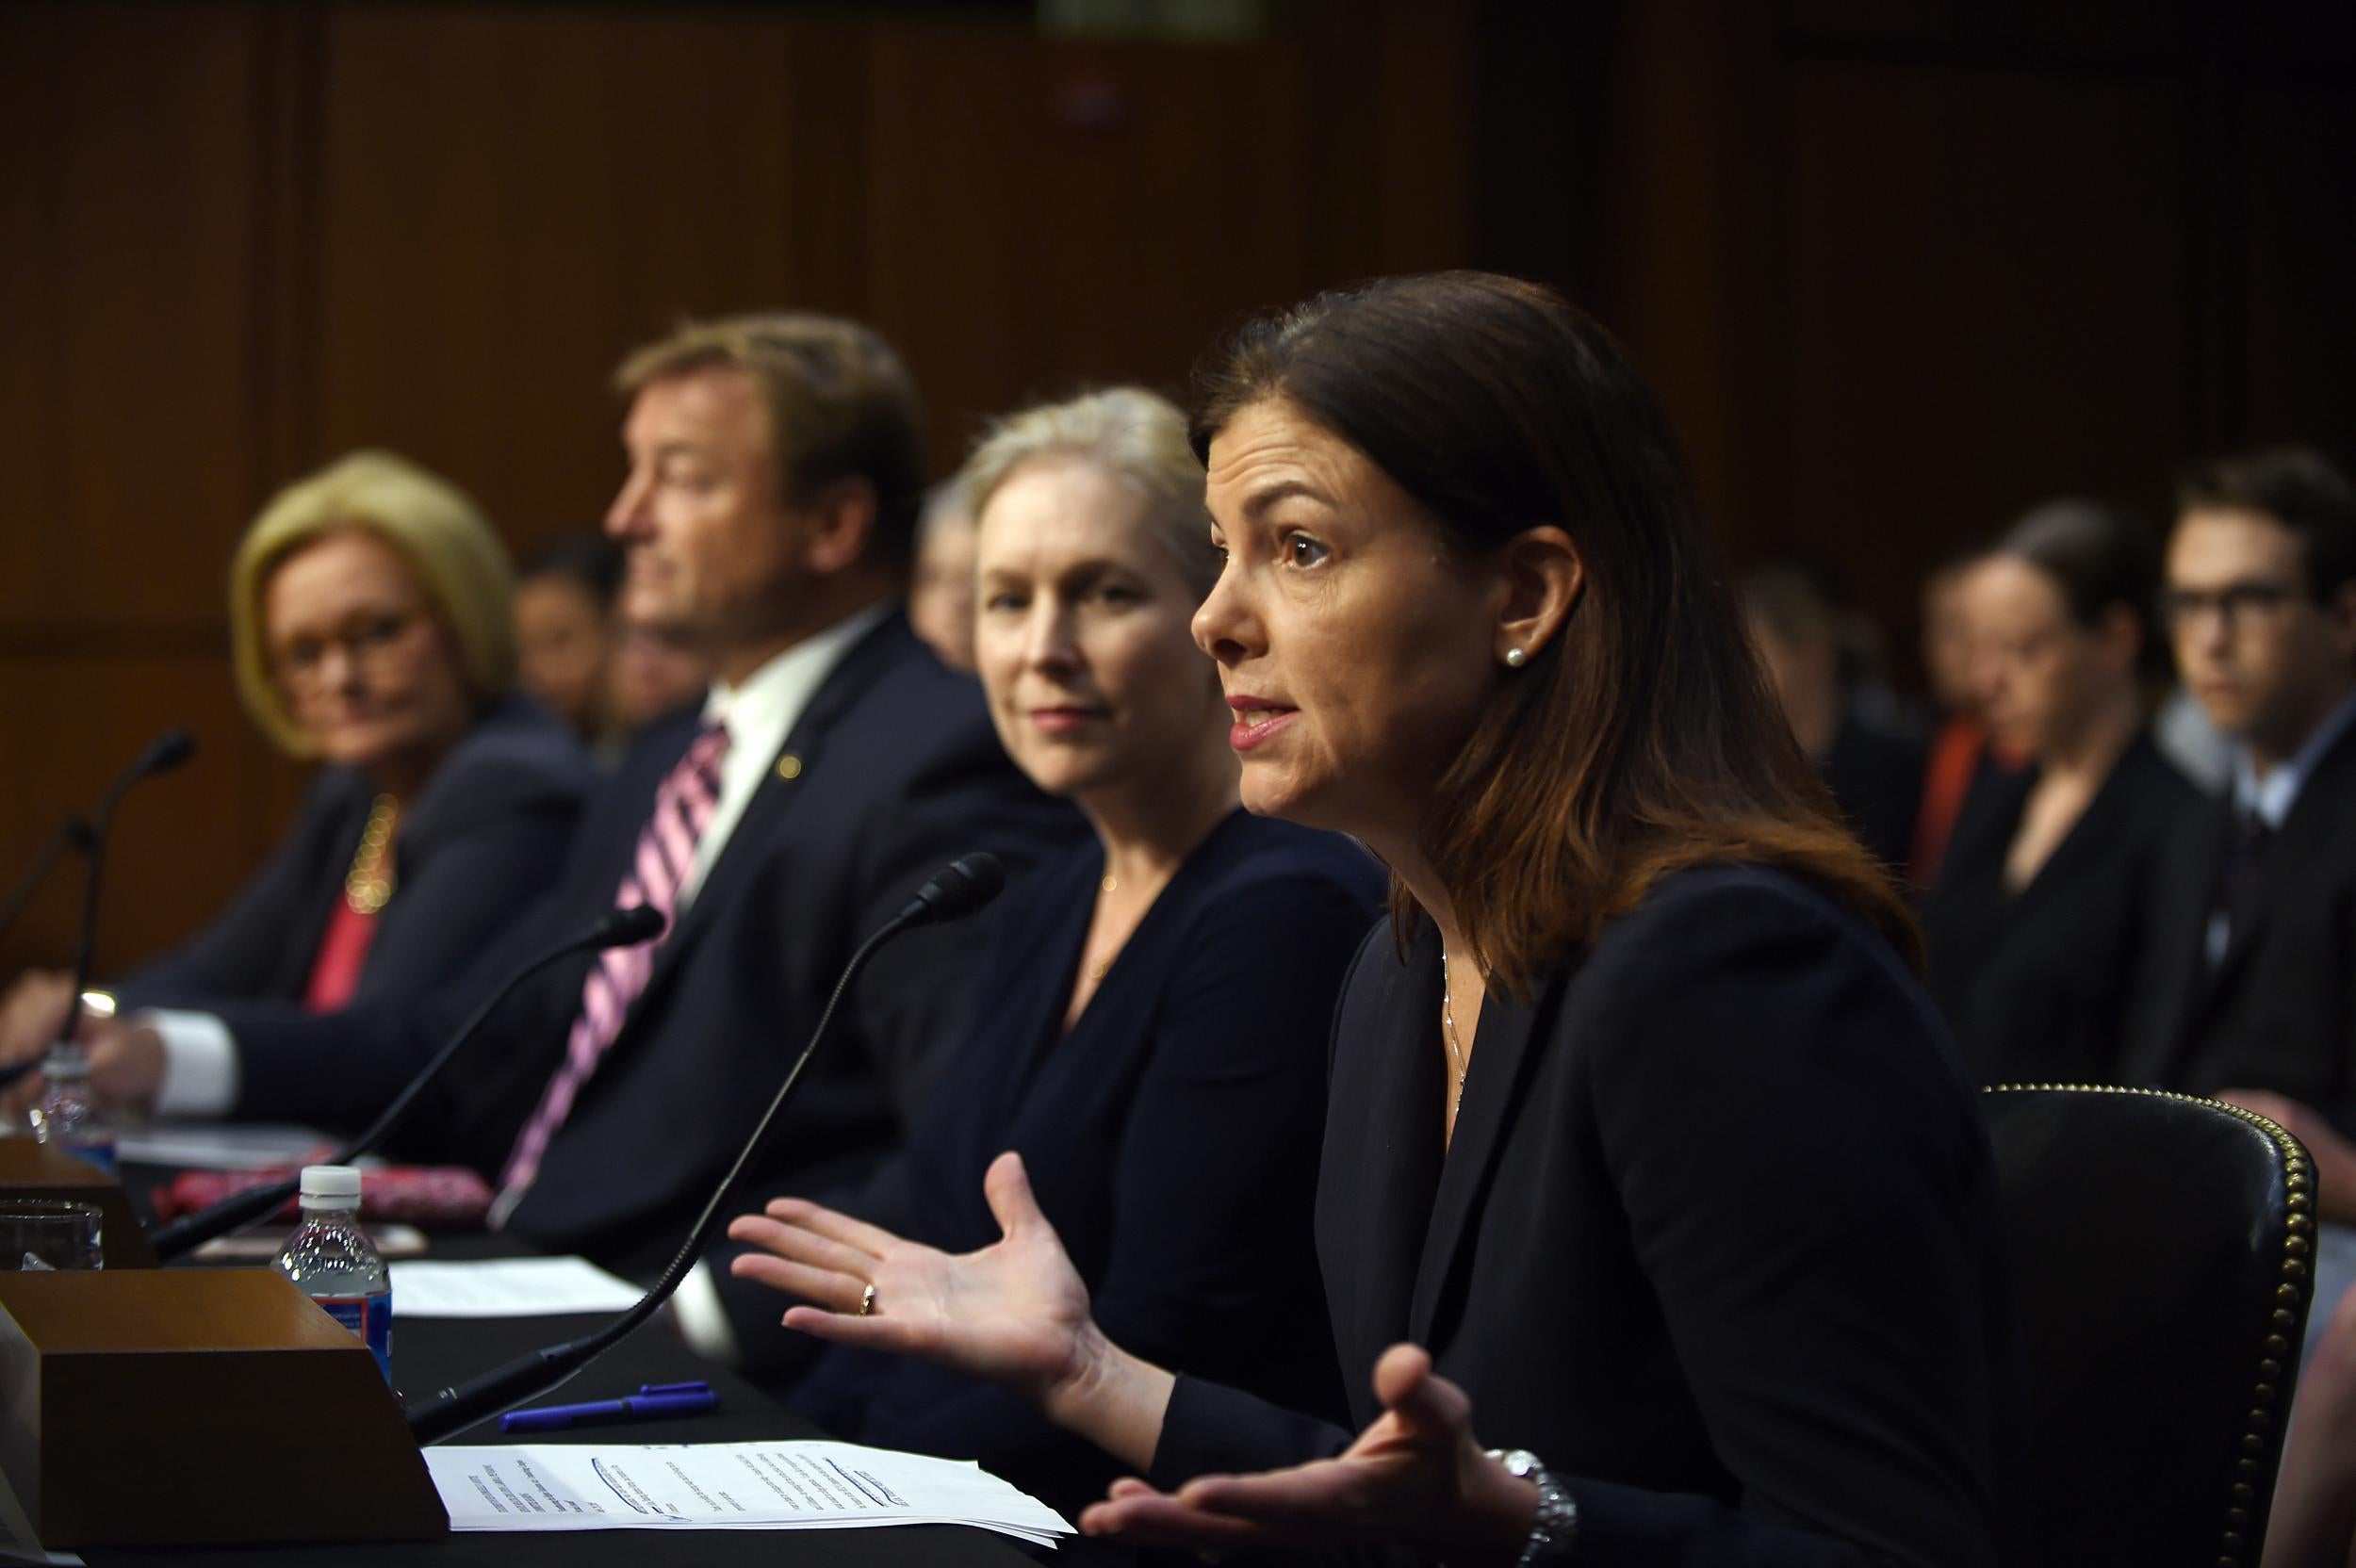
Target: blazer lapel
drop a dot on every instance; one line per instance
(774, 798)
(1502, 1055)
(1383, 1151)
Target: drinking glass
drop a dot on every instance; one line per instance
(49, 1233)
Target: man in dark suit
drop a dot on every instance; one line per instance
(774, 479)
(2251, 993)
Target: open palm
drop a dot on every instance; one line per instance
(1014, 1312)
(1416, 1475)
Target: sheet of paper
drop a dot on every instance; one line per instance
(218, 1146)
(16, 1533)
(507, 1287)
(802, 1485)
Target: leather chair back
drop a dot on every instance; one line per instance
(2161, 1248)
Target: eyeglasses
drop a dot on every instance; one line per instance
(371, 643)
(2235, 604)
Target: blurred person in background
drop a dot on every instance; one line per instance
(564, 632)
(2035, 926)
(651, 676)
(1958, 747)
(1149, 1026)
(1875, 772)
(371, 632)
(2252, 991)
(941, 595)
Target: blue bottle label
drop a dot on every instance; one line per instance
(370, 1317)
(97, 1152)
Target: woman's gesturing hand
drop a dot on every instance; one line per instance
(1014, 1312)
(1415, 1476)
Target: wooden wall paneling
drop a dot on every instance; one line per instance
(1697, 275)
(126, 380)
(182, 843)
(1047, 213)
(1391, 138)
(2296, 225)
(516, 196)
(130, 407)
(1991, 304)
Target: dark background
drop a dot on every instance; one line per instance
(1898, 268)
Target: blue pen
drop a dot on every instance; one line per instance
(651, 1403)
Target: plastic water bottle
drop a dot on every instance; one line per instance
(330, 1260)
(67, 1114)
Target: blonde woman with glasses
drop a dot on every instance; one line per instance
(372, 632)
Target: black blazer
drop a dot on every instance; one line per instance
(473, 852)
(1171, 1137)
(898, 771)
(1875, 778)
(2280, 1011)
(2039, 983)
(1718, 1238)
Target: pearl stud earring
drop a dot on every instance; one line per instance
(1515, 658)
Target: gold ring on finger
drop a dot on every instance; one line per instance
(867, 1302)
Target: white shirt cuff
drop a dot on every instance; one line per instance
(200, 1063)
(703, 1321)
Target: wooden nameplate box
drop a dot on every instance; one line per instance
(185, 1407)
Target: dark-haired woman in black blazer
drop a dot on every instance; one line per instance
(1644, 1154)
(2036, 927)
(1148, 1025)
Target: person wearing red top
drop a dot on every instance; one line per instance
(371, 630)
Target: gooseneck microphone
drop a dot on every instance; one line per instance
(72, 833)
(163, 754)
(960, 888)
(621, 928)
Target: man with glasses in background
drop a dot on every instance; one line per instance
(2251, 993)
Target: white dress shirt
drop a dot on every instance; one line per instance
(2269, 799)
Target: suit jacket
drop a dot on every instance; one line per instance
(1718, 1238)
(473, 852)
(895, 770)
(2278, 1011)
(1171, 1137)
(1875, 778)
(2040, 983)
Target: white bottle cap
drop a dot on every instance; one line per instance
(331, 1186)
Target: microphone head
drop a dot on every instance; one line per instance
(629, 928)
(964, 885)
(167, 751)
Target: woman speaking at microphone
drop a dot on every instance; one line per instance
(1645, 1159)
(1149, 1027)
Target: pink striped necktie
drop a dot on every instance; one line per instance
(683, 805)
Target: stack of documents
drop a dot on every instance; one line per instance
(760, 1486)
(508, 1287)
